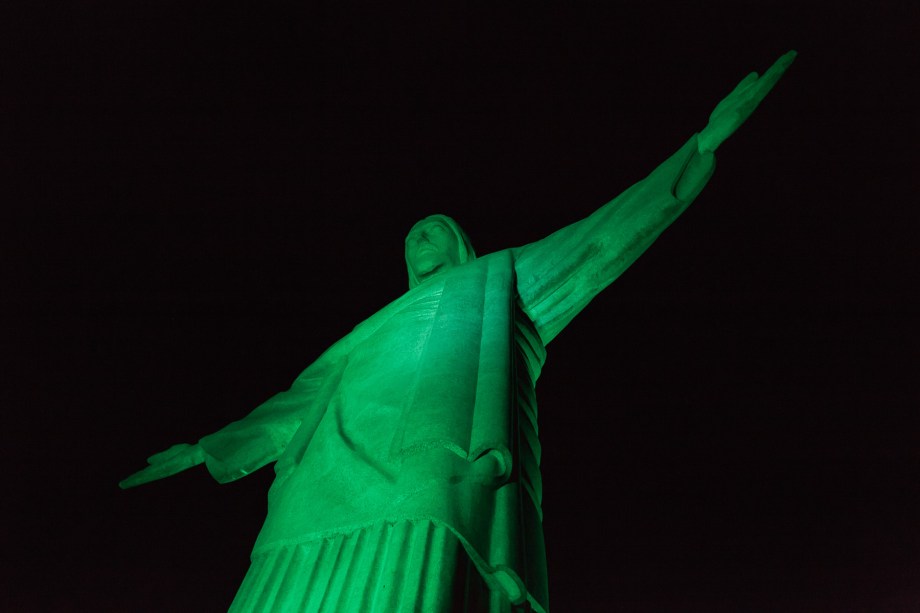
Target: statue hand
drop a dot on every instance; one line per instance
(165, 464)
(738, 105)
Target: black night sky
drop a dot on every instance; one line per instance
(199, 197)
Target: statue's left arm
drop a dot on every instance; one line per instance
(559, 275)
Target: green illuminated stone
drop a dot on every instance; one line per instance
(407, 455)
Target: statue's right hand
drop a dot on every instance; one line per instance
(165, 464)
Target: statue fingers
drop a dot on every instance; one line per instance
(161, 470)
(745, 83)
(163, 456)
(737, 98)
(783, 62)
(139, 478)
(775, 72)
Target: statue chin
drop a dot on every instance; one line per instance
(427, 268)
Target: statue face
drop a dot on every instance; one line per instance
(431, 247)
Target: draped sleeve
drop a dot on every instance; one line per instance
(560, 274)
(261, 437)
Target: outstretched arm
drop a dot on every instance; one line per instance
(166, 464)
(247, 444)
(559, 275)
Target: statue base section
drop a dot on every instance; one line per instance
(394, 568)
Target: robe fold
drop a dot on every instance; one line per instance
(421, 426)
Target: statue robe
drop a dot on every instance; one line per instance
(420, 426)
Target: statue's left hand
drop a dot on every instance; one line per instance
(738, 105)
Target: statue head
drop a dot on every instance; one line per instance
(433, 245)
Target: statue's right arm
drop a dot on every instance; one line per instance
(166, 464)
(247, 444)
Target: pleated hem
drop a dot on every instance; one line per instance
(409, 566)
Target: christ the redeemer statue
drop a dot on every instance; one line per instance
(407, 456)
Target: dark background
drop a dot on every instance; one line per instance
(199, 197)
